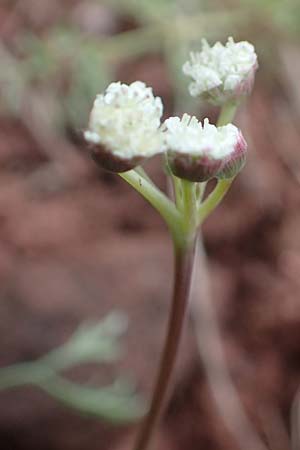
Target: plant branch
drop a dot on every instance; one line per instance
(189, 206)
(214, 199)
(177, 183)
(159, 201)
(227, 113)
(184, 259)
(141, 171)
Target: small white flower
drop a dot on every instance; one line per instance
(222, 72)
(125, 121)
(198, 152)
(189, 136)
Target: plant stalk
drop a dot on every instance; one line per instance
(184, 260)
(214, 199)
(166, 208)
(227, 113)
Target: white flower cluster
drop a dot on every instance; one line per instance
(126, 120)
(221, 72)
(188, 136)
(199, 152)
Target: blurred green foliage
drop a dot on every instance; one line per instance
(91, 343)
(73, 65)
(282, 14)
(70, 69)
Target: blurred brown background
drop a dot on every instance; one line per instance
(76, 242)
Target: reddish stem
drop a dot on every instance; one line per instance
(184, 259)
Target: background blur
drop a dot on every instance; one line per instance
(76, 242)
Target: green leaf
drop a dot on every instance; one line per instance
(116, 403)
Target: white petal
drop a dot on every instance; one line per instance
(126, 119)
(222, 66)
(188, 136)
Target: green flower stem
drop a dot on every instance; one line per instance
(227, 113)
(189, 206)
(201, 191)
(214, 199)
(177, 183)
(143, 173)
(159, 201)
(182, 224)
(184, 260)
(226, 116)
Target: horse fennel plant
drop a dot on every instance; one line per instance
(125, 129)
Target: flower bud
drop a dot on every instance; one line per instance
(235, 161)
(198, 153)
(124, 126)
(222, 73)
